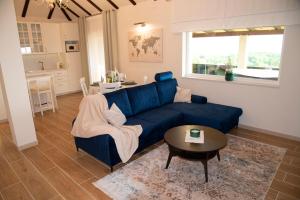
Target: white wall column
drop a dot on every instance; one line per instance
(13, 79)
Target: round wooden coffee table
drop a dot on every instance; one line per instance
(214, 140)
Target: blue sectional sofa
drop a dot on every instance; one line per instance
(152, 107)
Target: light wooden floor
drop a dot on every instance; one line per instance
(55, 170)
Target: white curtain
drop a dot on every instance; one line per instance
(110, 40)
(83, 49)
(95, 48)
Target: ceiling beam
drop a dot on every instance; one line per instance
(25, 8)
(71, 11)
(82, 8)
(51, 12)
(113, 4)
(66, 14)
(93, 4)
(133, 2)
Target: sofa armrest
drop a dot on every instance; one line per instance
(199, 99)
(101, 147)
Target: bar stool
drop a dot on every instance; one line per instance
(41, 87)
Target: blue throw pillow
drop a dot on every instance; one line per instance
(143, 98)
(166, 91)
(120, 98)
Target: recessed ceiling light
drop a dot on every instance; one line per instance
(200, 32)
(264, 28)
(240, 29)
(219, 31)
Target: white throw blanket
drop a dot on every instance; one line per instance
(91, 122)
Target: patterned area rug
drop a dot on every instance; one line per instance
(246, 171)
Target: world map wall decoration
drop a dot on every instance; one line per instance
(146, 46)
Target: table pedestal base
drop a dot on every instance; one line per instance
(203, 157)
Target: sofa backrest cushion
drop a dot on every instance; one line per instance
(166, 91)
(163, 76)
(120, 98)
(143, 98)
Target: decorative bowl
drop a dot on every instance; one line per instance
(195, 133)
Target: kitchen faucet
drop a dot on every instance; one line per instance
(41, 62)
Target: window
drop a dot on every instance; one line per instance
(30, 38)
(250, 53)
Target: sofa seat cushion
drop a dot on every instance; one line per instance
(120, 98)
(166, 91)
(148, 127)
(216, 116)
(181, 106)
(164, 118)
(143, 98)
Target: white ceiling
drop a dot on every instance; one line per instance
(38, 10)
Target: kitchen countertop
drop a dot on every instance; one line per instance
(42, 72)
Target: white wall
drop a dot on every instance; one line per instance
(226, 14)
(274, 109)
(3, 116)
(13, 81)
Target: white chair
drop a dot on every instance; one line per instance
(41, 87)
(109, 87)
(83, 87)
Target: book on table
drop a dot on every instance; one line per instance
(199, 140)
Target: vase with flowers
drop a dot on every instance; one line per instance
(229, 75)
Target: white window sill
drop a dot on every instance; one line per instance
(238, 80)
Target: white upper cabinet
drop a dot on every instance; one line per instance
(52, 40)
(39, 37)
(31, 39)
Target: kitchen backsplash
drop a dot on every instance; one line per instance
(32, 61)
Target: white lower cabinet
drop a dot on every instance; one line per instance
(64, 80)
(61, 82)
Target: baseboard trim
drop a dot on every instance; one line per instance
(3, 121)
(69, 92)
(268, 132)
(26, 146)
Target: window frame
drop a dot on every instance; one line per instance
(187, 68)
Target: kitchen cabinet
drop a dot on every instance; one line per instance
(54, 35)
(39, 37)
(61, 84)
(74, 70)
(31, 39)
(51, 37)
(60, 79)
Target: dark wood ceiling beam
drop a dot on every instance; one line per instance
(82, 8)
(25, 8)
(113, 4)
(93, 4)
(133, 2)
(51, 12)
(65, 13)
(71, 11)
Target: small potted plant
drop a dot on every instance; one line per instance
(229, 75)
